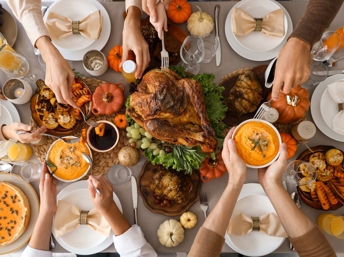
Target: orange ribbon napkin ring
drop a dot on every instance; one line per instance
(83, 217)
(272, 24)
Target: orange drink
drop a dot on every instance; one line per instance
(340, 31)
(337, 227)
(19, 152)
(332, 41)
(332, 224)
(324, 222)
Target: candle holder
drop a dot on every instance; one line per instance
(95, 63)
(17, 91)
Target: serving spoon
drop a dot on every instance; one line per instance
(66, 140)
(89, 160)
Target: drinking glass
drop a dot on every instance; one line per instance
(18, 152)
(27, 172)
(332, 224)
(300, 173)
(118, 174)
(192, 53)
(210, 46)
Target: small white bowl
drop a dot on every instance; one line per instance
(71, 180)
(277, 134)
(93, 139)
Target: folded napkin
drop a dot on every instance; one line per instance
(242, 224)
(68, 217)
(336, 91)
(59, 26)
(271, 24)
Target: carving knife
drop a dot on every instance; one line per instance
(218, 51)
(134, 195)
(329, 73)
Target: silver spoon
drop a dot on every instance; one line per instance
(6, 167)
(89, 160)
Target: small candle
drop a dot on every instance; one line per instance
(18, 92)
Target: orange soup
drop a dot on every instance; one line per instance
(257, 143)
(68, 159)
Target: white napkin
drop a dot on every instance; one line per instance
(336, 91)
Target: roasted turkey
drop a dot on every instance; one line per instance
(171, 185)
(172, 109)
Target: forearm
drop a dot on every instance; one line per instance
(116, 220)
(294, 221)
(219, 217)
(317, 18)
(40, 239)
(133, 16)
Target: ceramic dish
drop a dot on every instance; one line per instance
(104, 143)
(253, 55)
(9, 29)
(98, 44)
(328, 108)
(53, 170)
(83, 240)
(148, 198)
(255, 243)
(75, 10)
(31, 195)
(258, 41)
(316, 105)
(9, 113)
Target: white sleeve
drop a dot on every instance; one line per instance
(29, 14)
(31, 252)
(133, 244)
(137, 3)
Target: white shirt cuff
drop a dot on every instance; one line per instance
(130, 241)
(31, 252)
(129, 3)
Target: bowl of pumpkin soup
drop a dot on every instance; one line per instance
(65, 161)
(257, 143)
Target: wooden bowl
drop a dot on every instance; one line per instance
(146, 192)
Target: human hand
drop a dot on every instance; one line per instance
(160, 22)
(133, 40)
(59, 75)
(272, 175)
(103, 201)
(149, 7)
(235, 165)
(2, 96)
(292, 66)
(47, 191)
(10, 132)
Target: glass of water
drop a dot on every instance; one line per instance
(27, 172)
(210, 46)
(192, 53)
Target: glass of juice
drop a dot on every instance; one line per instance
(332, 224)
(18, 152)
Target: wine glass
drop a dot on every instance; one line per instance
(322, 51)
(300, 173)
(27, 172)
(192, 53)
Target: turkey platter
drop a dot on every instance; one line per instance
(172, 110)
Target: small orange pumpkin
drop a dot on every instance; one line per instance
(293, 106)
(290, 142)
(115, 57)
(179, 11)
(212, 168)
(120, 121)
(108, 98)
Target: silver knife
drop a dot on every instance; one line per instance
(218, 51)
(329, 73)
(296, 198)
(134, 195)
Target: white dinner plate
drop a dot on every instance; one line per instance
(9, 113)
(255, 243)
(75, 10)
(83, 240)
(31, 195)
(316, 106)
(254, 55)
(258, 41)
(97, 44)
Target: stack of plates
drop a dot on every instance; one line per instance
(324, 112)
(257, 46)
(9, 113)
(74, 47)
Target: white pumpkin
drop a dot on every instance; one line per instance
(200, 23)
(170, 233)
(188, 219)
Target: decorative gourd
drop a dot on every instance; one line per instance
(293, 106)
(115, 57)
(188, 220)
(179, 11)
(120, 121)
(200, 23)
(170, 233)
(290, 142)
(212, 168)
(108, 98)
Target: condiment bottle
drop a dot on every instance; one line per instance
(128, 71)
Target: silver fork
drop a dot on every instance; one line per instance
(262, 110)
(204, 204)
(67, 140)
(90, 122)
(332, 61)
(164, 54)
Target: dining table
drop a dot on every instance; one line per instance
(231, 61)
